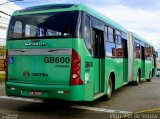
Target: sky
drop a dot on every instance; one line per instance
(139, 16)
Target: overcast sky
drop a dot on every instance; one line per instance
(139, 16)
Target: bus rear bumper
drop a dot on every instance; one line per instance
(64, 92)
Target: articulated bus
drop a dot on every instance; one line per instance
(73, 53)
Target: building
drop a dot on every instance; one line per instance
(6, 9)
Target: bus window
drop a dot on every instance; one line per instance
(110, 47)
(110, 34)
(118, 37)
(118, 40)
(147, 52)
(142, 50)
(44, 25)
(87, 32)
(137, 49)
(106, 33)
(17, 32)
(150, 53)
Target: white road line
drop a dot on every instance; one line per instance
(74, 106)
(100, 109)
(21, 99)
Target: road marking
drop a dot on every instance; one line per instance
(100, 109)
(21, 99)
(74, 106)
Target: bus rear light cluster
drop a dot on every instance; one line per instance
(6, 66)
(75, 70)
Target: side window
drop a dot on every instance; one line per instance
(146, 51)
(110, 47)
(149, 53)
(110, 35)
(142, 45)
(17, 32)
(118, 37)
(152, 52)
(137, 49)
(106, 33)
(87, 33)
(118, 40)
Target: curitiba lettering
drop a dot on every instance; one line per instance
(57, 60)
(40, 74)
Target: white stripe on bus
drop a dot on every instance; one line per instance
(55, 51)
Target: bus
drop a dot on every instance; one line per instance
(71, 52)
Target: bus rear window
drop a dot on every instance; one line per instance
(56, 24)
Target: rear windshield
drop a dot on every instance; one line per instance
(56, 24)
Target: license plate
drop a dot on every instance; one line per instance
(35, 92)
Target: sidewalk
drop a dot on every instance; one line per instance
(2, 76)
(2, 92)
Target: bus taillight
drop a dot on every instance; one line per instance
(75, 71)
(6, 66)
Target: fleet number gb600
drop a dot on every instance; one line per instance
(57, 60)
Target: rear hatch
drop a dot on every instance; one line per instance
(40, 45)
(36, 64)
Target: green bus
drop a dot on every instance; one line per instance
(73, 53)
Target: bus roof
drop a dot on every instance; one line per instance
(141, 39)
(69, 7)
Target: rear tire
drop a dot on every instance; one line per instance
(148, 80)
(110, 90)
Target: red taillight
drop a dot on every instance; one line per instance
(75, 71)
(6, 66)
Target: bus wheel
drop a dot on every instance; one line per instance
(109, 92)
(135, 83)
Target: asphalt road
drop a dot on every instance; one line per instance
(133, 99)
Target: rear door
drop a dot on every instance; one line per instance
(143, 61)
(99, 68)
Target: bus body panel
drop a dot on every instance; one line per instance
(40, 65)
(114, 66)
(64, 92)
(148, 69)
